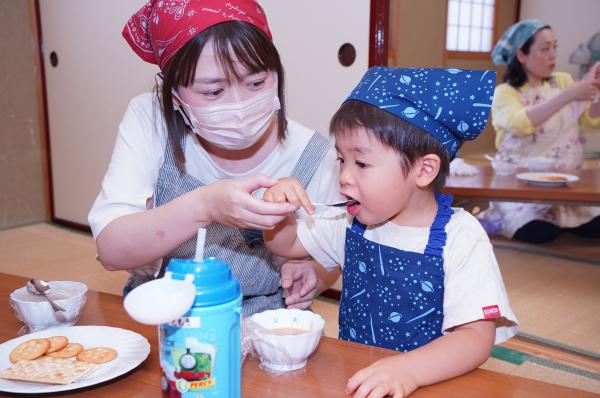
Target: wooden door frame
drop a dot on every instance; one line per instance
(379, 29)
(42, 107)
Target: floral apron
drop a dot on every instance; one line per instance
(559, 138)
(393, 298)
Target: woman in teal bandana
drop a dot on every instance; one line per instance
(539, 114)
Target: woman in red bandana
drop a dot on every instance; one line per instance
(199, 150)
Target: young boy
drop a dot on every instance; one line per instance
(418, 275)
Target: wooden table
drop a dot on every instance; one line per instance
(324, 376)
(489, 185)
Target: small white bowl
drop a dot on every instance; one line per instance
(540, 163)
(503, 167)
(35, 311)
(286, 337)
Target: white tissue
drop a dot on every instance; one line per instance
(458, 167)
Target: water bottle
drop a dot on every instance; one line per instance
(200, 351)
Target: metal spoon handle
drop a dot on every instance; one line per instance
(55, 306)
(338, 204)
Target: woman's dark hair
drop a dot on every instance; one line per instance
(409, 141)
(247, 43)
(515, 73)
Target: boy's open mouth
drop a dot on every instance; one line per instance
(353, 206)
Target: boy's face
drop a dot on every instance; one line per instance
(371, 173)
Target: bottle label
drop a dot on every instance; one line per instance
(195, 354)
(186, 322)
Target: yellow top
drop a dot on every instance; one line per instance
(509, 114)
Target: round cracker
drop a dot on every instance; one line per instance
(57, 343)
(30, 349)
(97, 355)
(69, 351)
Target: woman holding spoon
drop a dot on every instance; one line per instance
(198, 152)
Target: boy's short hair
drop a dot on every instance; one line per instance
(409, 141)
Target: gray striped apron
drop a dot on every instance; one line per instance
(243, 249)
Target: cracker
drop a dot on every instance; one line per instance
(97, 355)
(69, 351)
(48, 370)
(57, 343)
(30, 349)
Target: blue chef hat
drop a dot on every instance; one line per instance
(450, 104)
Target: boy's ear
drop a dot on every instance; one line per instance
(428, 168)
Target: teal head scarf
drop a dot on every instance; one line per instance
(513, 39)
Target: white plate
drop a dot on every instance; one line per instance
(547, 179)
(131, 347)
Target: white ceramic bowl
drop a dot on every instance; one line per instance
(285, 352)
(540, 163)
(503, 167)
(35, 311)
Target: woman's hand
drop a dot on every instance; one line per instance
(588, 88)
(585, 89)
(289, 190)
(594, 72)
(231, 202)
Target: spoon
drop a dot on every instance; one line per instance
(41, 287)
(338, 204)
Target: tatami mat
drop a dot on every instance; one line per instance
(554, 298)
(543, 373)
(55, 253)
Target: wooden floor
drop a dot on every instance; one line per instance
(554, 291)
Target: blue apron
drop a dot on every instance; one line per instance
(393, 298)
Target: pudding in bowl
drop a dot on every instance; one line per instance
(285, 338)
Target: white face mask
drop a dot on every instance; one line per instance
(233, 126)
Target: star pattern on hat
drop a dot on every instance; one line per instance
(451, 104)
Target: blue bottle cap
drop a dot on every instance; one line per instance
(215, 284)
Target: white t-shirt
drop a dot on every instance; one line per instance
(139, 153)
(472, 278)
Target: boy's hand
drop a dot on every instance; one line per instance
(301, 280)
(380, 379)
(289, 190)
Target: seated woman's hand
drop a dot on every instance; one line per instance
(594, 72)
(586, 89)
(230, 202)
(289, 190)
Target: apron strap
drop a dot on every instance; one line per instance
(437, 232)
(358, 227)
(310, 159)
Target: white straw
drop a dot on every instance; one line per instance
(200, 244)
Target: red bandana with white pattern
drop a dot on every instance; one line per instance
(161, 27)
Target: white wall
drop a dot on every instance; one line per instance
(316, 82)
(574, 22)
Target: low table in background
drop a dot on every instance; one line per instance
(490, 186)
